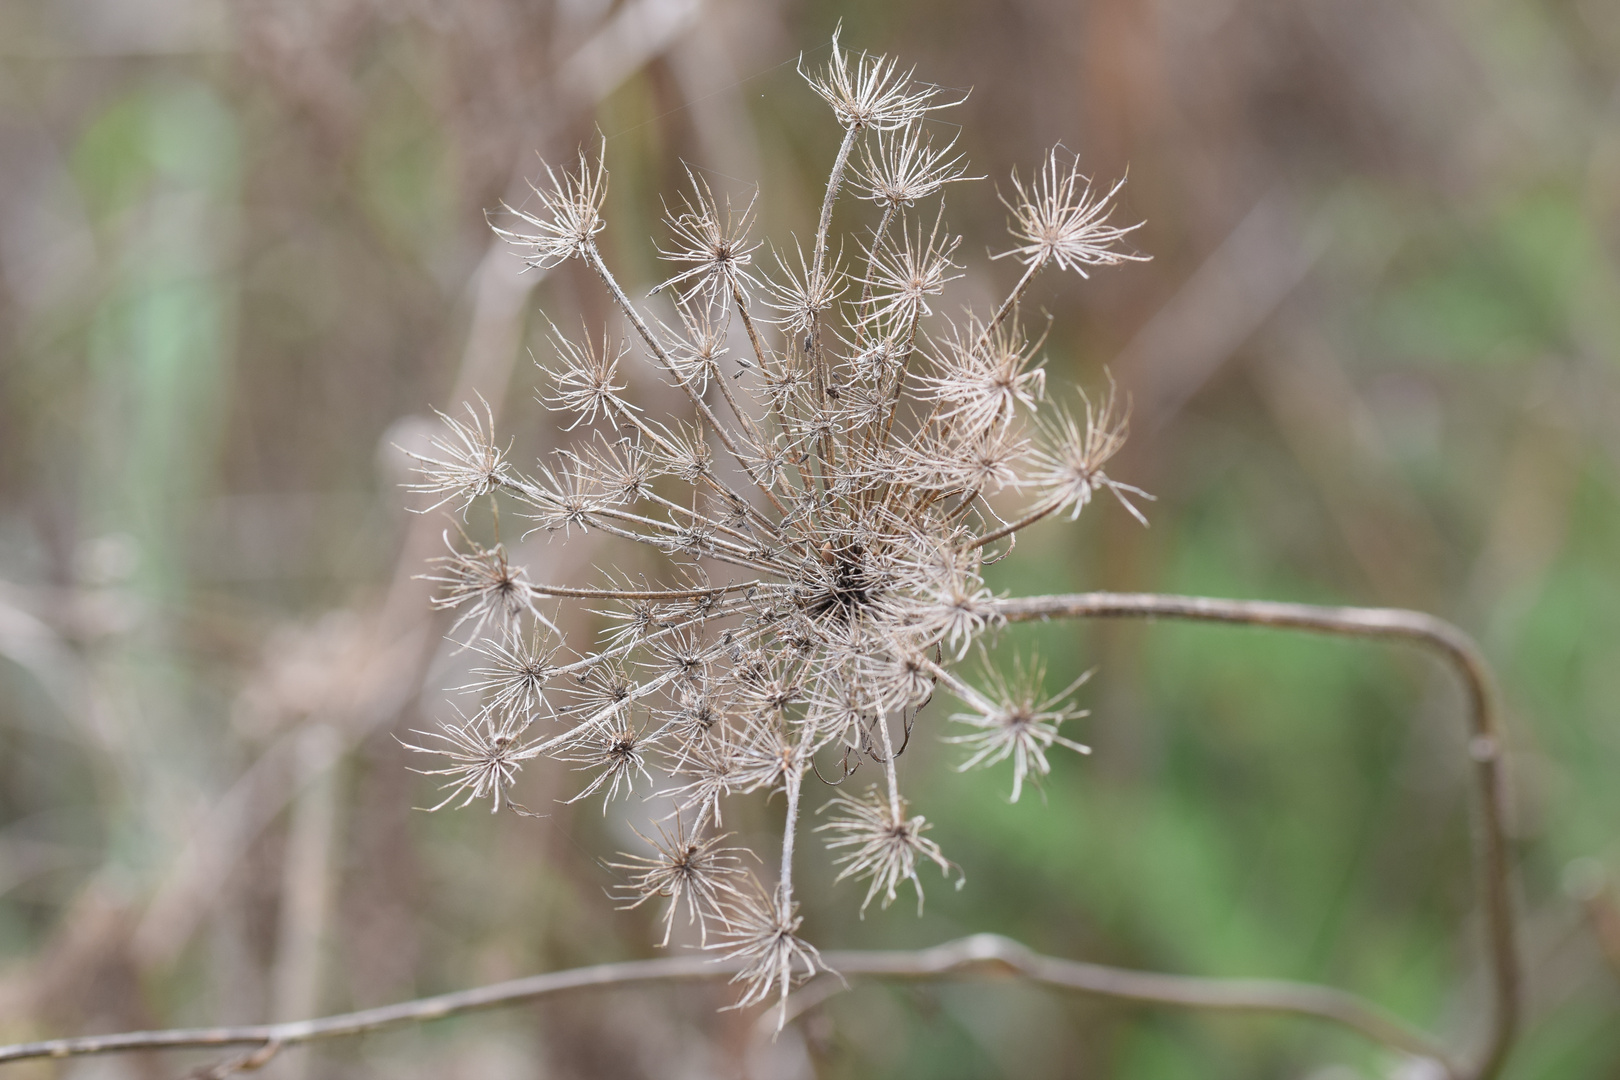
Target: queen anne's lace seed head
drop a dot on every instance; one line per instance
(616, 754)
(1069, 463)
(871, 91)
(712, 244)
(698, 875)
(486, 590)
(762, 931)
(484, 759)
(904, 167)
(513, 682)
(813, 524)
(585, 380)
(695, 350)
(880, 842)
(986, 376)
(903, 277)
(1014, 721)
(1060, 219)
(567, 219)
(468, 466)
(803, 292)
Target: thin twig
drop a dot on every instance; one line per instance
(978, 954)
(987, 950)
(1484, 744)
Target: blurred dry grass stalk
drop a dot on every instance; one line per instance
(844, 484)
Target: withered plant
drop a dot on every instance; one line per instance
(855, 453)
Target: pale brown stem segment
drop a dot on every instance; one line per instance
(877, 242)
(748, 324)
(1008, 304)
(639, 594)
(984, 954)
(1484, 746)
(795, 783)
(890, 772)
(818, 260)
(1041, 510)
(835, 181)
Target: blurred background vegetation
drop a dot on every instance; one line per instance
(1375, 360)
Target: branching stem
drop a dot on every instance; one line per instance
(1484, 745)
(1008, 304)
(980, 954)
(990, 952)
(795, 782)
(890, 771)
(594, 258)
(818, 262)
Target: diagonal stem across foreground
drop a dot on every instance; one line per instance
(984, 953)
(978, 954)
(1495, 867)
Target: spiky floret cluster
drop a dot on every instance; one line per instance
(826, 513)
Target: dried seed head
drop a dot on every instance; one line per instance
(484, 760)
(763, 931)
(695, 350)
(568, 218)
(1060, 219)
(903, 278)
(1070, 460)
(871, 92)
(513, 684)
(820, 518)
(470, 465)
(618, 753)
(697, 874)
(883, 844)
(485, 587)
(713, 245)
(711, 763)
(585, 381)
(1014, 721)
(802, 294)
(906, 167)
(984, 375)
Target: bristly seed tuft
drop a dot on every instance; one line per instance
(852, 456)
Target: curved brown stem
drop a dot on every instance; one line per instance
(988, 951)
(978, 954)
(1484, 746)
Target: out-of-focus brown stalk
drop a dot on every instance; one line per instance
(403, 628)
(981, 954)
(1484, 745)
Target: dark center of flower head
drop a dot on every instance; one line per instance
(897, 830)
(847, 587)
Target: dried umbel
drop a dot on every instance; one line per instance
(853, 457)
